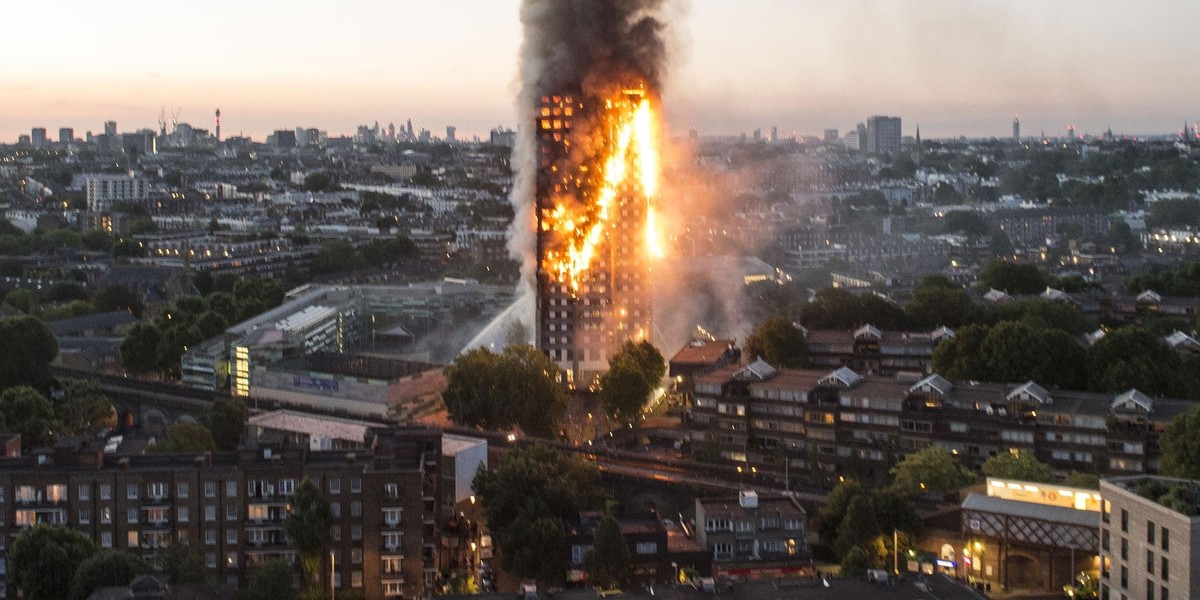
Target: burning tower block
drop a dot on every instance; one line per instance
(596, 180)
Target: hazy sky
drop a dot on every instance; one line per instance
(953, 66)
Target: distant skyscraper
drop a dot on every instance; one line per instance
(1071, 132)
(1016, 129)
(774, 135)
(110, 128)
(411, 135)
(831, 136)
(451, 134)
(883, 135)
(37, 137)
(218, 130)
(66, 135)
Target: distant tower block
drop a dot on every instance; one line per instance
(1016, 129)
(218, 125)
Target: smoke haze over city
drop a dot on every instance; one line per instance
(956, 68)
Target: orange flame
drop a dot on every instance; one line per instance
(631, 159)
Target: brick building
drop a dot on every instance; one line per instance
(832, 423)
(231, 506)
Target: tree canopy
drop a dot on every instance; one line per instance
(608, 562)
(29, 413)
(185, 437)
(43, 556)
(275, 580)
(526, 498)
(517, 387)
(1013, 278)
(1180, 446)
(309, 527)
(1023, 466)
(26, 351)
(106, 568)
(226, 420)
(931, 469)
(633, 374)
(779, 342)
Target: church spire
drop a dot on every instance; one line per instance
(920, 157)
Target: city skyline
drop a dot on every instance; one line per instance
(802, 66)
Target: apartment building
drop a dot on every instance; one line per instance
(839, 422)
(753, 535)
(1149, 538)
(232, 506)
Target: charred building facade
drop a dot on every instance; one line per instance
(593, 276)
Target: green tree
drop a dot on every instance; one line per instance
(24, 300)
(931, 469)
(958, 358)
(26, 350)
(1131, 357)
(608, 562)
(967, 222)
(30, 414)
(831, 514)
(318, 182)
(84, 408)
(1180, 446)
(520, 386)
(338, 256)
(624, 390)
(1018, 352)
(41, 555)
(183, 563)
(526, 498)
(308, 526)
(856, 562)
(536, 549)
(1013, 278)
(275, 580)
(1080, 479)
(779, 342)
(185, 437)
(633, 374)
(1000, 245)
(1023, 466)
(934, 306)
(140, 351)
(858, 528)
(106, 568)
(118, 297)
(226, 420)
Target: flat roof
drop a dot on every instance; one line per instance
(313, 425)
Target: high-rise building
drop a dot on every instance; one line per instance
(451, 134)
(883, 135)
(831, 136)
(37, 137)
(66, 135)
(1016, 129)
(582, 323)
(110, 128)
(105, 190)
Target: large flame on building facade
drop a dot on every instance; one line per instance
(597, 184)
(587, 197)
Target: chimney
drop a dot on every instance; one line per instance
(748, 499)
